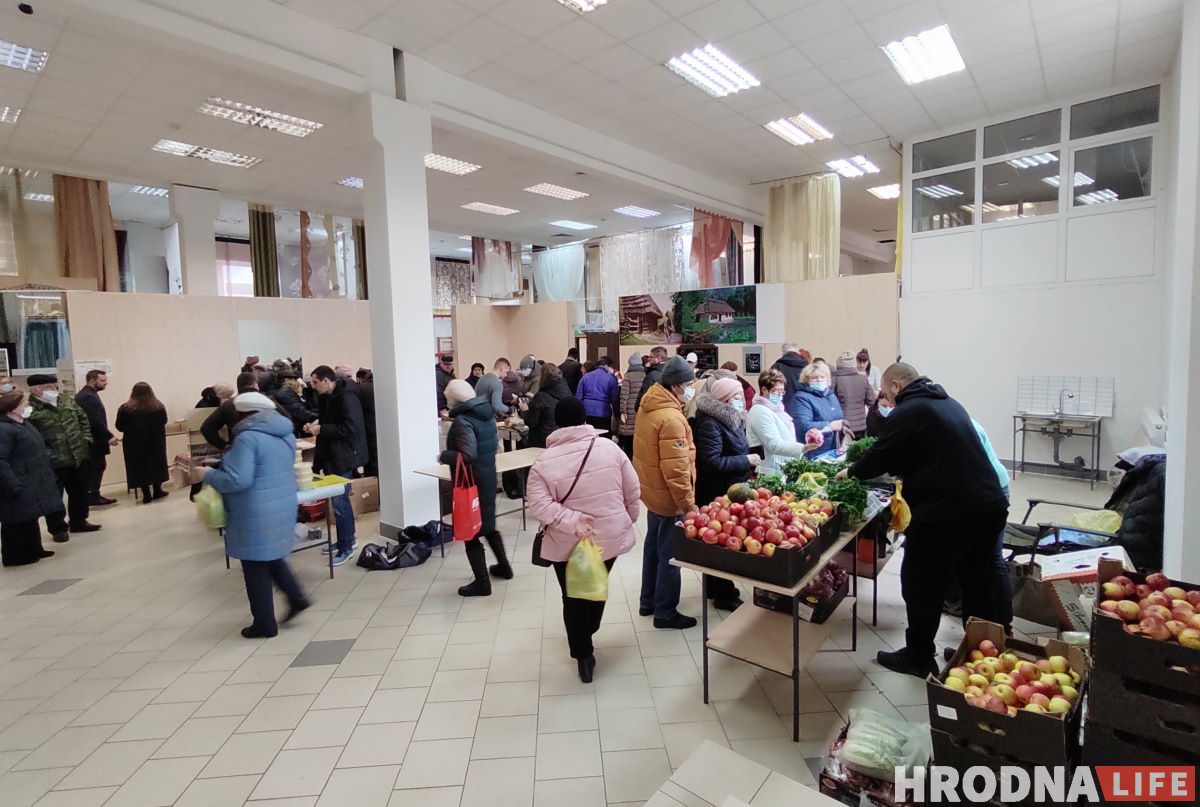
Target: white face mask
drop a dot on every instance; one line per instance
(525, 372)
(688, 393)
(50, 397)
(738, 403)
(7, 387)
(26, 411)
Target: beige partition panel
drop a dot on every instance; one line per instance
(483, 333)
(181, 344)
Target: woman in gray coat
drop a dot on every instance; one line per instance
(27, 487)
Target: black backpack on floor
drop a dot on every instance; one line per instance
(393, 556)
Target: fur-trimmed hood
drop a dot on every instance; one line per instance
(724, 412)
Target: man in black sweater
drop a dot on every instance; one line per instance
(958, 510)
(572, 370)
(341, 436)
(658, 357)
(103, 440)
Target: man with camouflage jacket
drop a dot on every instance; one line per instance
(64, 428)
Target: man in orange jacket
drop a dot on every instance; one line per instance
(664, 457)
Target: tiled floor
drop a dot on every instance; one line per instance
(124, 682)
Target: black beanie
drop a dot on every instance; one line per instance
(569, 412)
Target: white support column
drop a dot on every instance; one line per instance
(1181, 550)
(195, 211)
(401, 295)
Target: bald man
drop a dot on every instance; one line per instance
(958, 510)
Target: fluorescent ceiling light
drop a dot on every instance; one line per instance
(39, 197)
(204, 153)
(228, 220)
(252, 115)
(567, 224)
(464, 238)
(583, 6)
(495, 210)
(637, 212)
(352, 182)
(149, 190)
(449, 165)
(885, 191)
(987, 207)
(1033, 160)
(20, 57)
(799, 130)
(1099, 197)
(27, 173)
(927, 55)
(9, 114)
(465, 249)
(856, 166)
(556, 191)
(1080, 180)
(712, 71)
(939, 191)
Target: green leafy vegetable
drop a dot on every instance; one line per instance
(858, 448)
(850, 494)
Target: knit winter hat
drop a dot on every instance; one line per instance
(222, 391)
(677, 371)
(847, 361)
(253, 402)
(569, 412)
(458, 391)
(726, 389)
(528, 362)
(635, 362)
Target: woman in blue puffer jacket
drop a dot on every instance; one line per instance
(258, 483)
(816, 406)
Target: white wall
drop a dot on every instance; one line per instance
(1077, 294)
(146, 257)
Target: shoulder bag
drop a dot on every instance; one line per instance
(538, 560)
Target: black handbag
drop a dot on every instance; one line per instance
(537, 558)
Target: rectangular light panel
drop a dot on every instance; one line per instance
(886, 191)
(636, 212)
(583, 6)
(856, 166)
(149, 190)
(449, 165)
(712, 71)
(929, 54)
(9, 114)
(27, 173)
(567, 224)
(556, 191)
(494, 210)
(1033, 160)
(20, 57)
(1081, 179)
(257, 116)
(39, 197)
(1099, 197)
(352, 182)
(217, 156)
(939, 191)
(799, 130)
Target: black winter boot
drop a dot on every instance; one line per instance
(482, 586)
(501, 567)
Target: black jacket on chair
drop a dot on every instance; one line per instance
(1141, 497)
(473, 437)
(28, 489)
(342, 443)
(721, 448)
(540, 417)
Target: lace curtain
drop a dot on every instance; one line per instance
(558, 273)
(451, 283)
(803, 235)
(497, 275)
(645, 262)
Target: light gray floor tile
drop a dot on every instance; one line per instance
(323, 652)
(499, 781)
(435, 763)
(296, 773)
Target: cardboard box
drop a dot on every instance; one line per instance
(1149, 713)
(364, 495)
(811, 609)
(952, 752)
(1027, 737)
(1104, 745)
(1070, 580)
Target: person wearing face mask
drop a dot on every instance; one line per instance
(28, 489)
(600, 394)
(816, 406)
(528, 371)
(443, 373)
(664, 456)
(771, 427)
(958, 511)
(65, 428)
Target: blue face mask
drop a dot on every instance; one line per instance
(819, 386)
(775, 399)
(884, 411)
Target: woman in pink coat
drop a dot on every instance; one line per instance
(603, 505)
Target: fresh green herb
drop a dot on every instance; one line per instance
(850, 494)
(794, 469)
(858, 448)
(772, 482)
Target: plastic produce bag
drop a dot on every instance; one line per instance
(587, 577)
(210, 508)
(876, 744)
(901, 515)
(1098, 520)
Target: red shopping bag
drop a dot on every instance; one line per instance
(468, 517)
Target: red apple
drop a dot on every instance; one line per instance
(728, 527)
(763, 494)
(1176, 626)
(1128, 611)
(1113, 590)
(690, 530)
(736, 509)
(768, 550)
(758, 534)
(705, 510)
(740, 532)
(1161, 612)
(722, 538)
(1158, 581)
(786, 516)
(1190, 637)
(988, 648)
(1193, 597)
(1125, 583)
(996, 704)
(792, 531)
(708, 535)
(703, 520)
(1175, 593)
(1142, 591)
(1158, 598)
(1040, 700)
(751, 509)
(1155, 628)
(1109, 607)
(733, 543)
(775, 535)
(753, 547)
(1024, 693)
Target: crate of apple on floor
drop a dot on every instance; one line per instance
(754, 534)
(1019, 701)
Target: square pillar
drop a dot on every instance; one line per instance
(195, 212)
(402, 343)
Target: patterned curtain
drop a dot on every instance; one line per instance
(360, 252)
(263, 261)
(451, 283)
(497, 275)
(645, 262)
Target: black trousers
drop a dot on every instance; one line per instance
(75, 482)
(626, 443)
(966, 550)
(721, 589)
(599, 422)
(259, 575)
(580, 617)
(96, 469)
(20, 542)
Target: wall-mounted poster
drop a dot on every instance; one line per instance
(712, 316)
(752, 358)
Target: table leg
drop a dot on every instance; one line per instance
(525, 481)
(874, 583)
(796, 669)
(854, 619)
(704, 629)
(225, 540)
(329, 533)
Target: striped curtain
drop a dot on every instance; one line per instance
(263, 261)
(360, 253)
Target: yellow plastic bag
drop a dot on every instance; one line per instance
(210, 508)
(1098, 520)
(587, 576)
(901, 514)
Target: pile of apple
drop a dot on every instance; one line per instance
(1004, 683)
(1154, 609)
(759, 525)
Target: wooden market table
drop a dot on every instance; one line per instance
(769, 639)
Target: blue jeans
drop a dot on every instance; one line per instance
(660, 580)
(343, 517)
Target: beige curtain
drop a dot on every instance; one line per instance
(86, 239)
(803, 234)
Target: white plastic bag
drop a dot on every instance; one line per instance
(877, 744)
